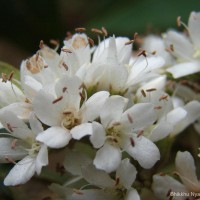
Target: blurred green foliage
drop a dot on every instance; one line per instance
(26, 22)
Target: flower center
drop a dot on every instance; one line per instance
(70, 119)
(35, 148)
(35, 64)
(113, 134)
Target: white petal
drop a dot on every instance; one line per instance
(21, 172)
(162, 130)
(143, 150)
(126, 173)
(193, 26)
(108, 158)
(98, 136)
(97, 177)
(193, 113)
(112, 109)
(81, 130)
(184, 69)
(6, 150)
(15, 126)
(176, 115)
(35, 124)
(135, 118)
(55, 137)
(132, 194)
(41, 159)
(21, 109)
(187, 170)
(74, 160)
(48, 112)
(182, 46)
(31, 86)
(93, 106)
(69, 87)
(163, 184)
(10, 93)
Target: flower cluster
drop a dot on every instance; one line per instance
(116, 102)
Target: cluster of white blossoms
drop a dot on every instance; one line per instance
(117, 103)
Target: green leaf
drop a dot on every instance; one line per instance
(7, 69)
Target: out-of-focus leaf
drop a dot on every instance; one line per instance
(139, 15)
(7, 68)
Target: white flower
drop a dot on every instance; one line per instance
(154, 43)
(22, 146)
(105, 187)
(62, 111)
(185, 49)
(186, 170)
(13, 99)
(119, 131)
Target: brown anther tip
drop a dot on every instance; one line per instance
(129, 42)
(105, 32)
(80, 29)
(143, 93)
(140, 133)
(164, 97)
(77, 191)
(132, 142)
(171, 47)
(54, 42)
(98, 31)
(66, 50)
(41, 45)
(130, 119)
(158, 107)
(151, 90)
(162, 174)
(91, 41)
(169, 192)
(57, 100)
(135, 35)
(153, 52)
(65, 65)
(178, 20)
(143, 53)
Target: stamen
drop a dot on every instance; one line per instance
(143, 52)
(151, 90)
(105, 32)
(164, 97)
(10, 128)
(81, 95)
(140, 133)
(116, 124)
(98, 31)
(11, 76)
(143, 93)
(91, 41)
(162, 174)
(41, 45)
(64, 89)
(69, 35)
(65, 66)
(130, 119)
(130, 42)
(169, 192)
(10, 160)
(77, 191)
(154, 52)
(82, 86)
(158, 107)
(132, 142)
(135, 35)
(4, 77)
(178, 20)
(117, 181)
(13, 144)
(54, 42)
(66, 50)
(80, 29)
(57, 100)
(67, 113)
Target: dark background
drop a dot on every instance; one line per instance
(23, 23)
